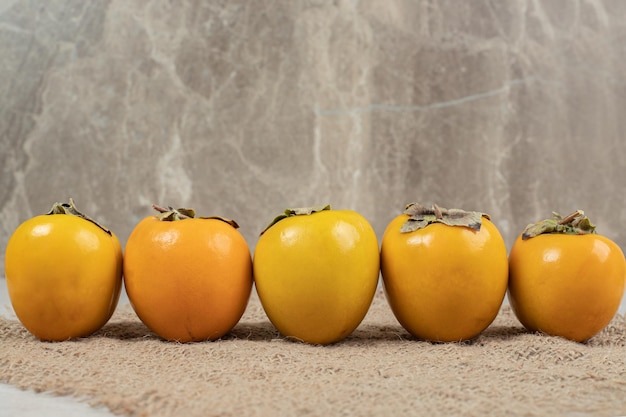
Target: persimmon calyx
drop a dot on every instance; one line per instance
(421, 216)
(70, 208)
(170, 214)
(301, 211)
(574, 224)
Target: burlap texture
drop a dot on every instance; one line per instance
(378, 371)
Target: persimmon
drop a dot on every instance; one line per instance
(63, 273)
(188, 279)
(444, 272)
(316, 272)
(565, 279)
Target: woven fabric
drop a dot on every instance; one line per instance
(380, 370)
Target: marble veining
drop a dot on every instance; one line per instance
(242, 109)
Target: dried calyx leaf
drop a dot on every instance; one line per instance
(170, 214)
(574, 224)
(70, 208)
(302, 211)
(421, 216)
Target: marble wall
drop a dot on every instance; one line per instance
(243, 108)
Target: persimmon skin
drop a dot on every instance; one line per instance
(188, 280)
(444, 283)
(64, 276)
(566, 285)
(316, 275)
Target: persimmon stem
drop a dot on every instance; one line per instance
(180, 212)
(70, 208)
(438, 213)
(574, 224)
(301, 211)
(421, 216)
(162, 209)
(568, 219)
(170, 213)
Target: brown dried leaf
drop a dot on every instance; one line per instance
(574, 224)
(421, 216)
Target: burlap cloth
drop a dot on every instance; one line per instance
(378, 371)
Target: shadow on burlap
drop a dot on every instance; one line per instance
(379, 370)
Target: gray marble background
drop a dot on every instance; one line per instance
(243, 108)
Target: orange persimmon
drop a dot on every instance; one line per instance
(444, 272)
(564, 278)
(188, 279)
